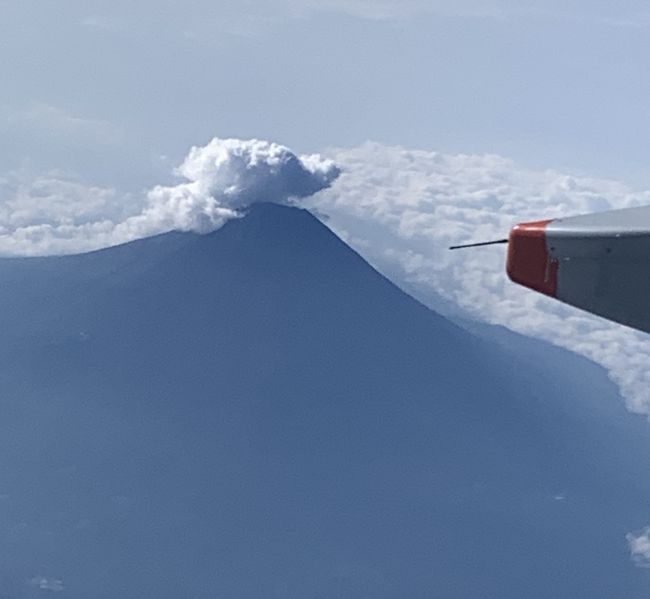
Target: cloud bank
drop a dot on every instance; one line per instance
(401, 209)
(53, 215)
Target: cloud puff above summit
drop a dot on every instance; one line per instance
(229, 174)
(52, 215)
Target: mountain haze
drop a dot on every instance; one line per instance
(257, 413)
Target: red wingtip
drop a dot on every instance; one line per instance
(529, 262)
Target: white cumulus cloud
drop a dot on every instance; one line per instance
(639, 544)
(227, 175)
(53, 215)
(401, 209)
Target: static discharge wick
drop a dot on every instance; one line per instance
(474, 245)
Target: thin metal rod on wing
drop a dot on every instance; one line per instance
(475, 245)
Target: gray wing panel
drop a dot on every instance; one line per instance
(604, 264)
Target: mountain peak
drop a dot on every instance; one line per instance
(288, 226)
(257, 410)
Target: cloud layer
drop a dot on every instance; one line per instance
(52, 215)
(401, 209)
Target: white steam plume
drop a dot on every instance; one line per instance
(50, 215)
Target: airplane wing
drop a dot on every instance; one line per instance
(597, 262)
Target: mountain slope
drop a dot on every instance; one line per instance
(258, 413)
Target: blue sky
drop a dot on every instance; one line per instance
(117, 92)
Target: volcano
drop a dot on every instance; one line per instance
(258, 413)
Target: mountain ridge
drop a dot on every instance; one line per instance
(258, 412)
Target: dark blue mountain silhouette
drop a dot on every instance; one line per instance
(258, 413)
